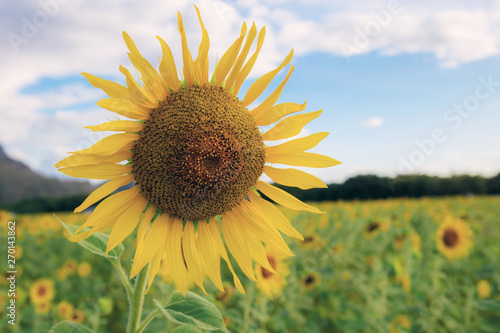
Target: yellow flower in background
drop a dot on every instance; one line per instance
(43, 308)
(42, 291)
(70, 266)
(271, 284)
(64, 310)
(196, 153)
(416, 244)
(400, 324)
(61, 274)
(78, 316)
(310, 281)
(483, 289)
(454, 238)
(84, 269)
(19, 252)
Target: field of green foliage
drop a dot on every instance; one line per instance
(372, 266)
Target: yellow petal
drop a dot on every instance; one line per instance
(119, 126)
(209, 254)
(155, 267)
(213, 227)
(227, 60)
(257, 251)
(236, 241)
(124, 107)
(201, 62)
(290, 126)
(144, 224)
(310, 160)
(285, 199)
(273, 98)
(110, 144)
(174, 255)
(258, 87)
(241, 58)
(297, 145)
(112, 89)
(138, 94)
(110, 208)
(273, 215)
(277, 112)
(153, 244)
(264, 231)
(130, 43)
(294, 177)
(167, 67)
(188, 68)
(242, 75)
(81, 236)
(86, 159)
(191, 255)
(152, 81)
(104, 190)
(97, 171)
(126, 223)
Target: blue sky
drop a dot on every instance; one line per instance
(391, 76)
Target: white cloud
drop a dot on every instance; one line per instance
(373, 122)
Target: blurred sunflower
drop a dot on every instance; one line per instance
(43, 308)
(42, 291)
(64, 310)
(271, 284)
(454, 238)
(70, 266)
(195, 153)
(84, 269)
(310, 281)
(400, 324)
(483, 289)
(78, 316)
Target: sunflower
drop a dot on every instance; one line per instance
(271, 284)
(70, 266)
(400, 324)
(64, 310)
(310, 281)
(454, 238)
(42, 291)
(483, 289)
(43, 308)
(78, 316)
(195, 153)
(84, 269)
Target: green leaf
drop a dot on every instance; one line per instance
(69, 327)
(186, 329)
(95, 243)
(193, 310)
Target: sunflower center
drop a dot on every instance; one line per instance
(199, 153)
(372, 227)
(42, 291)
(450, 237)
(310, 279)
(265, 272)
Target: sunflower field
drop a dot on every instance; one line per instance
(401, 265)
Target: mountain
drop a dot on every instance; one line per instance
(19, 182)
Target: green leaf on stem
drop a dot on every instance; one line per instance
(194, 311)
(69, 327)
(95, 243)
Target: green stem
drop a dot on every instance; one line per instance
(247, 307)
(137, 300)
(124, 279)
(148, 319)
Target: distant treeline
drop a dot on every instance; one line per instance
(360, 187)
(413, 186)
